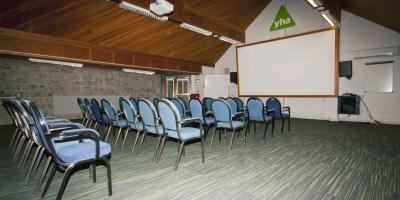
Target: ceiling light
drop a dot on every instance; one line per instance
(329, 18)
(138, 71)
(315, 3)
(161, 7)
(140, 11)
(196, 29)
(55, 62)
(226, 39)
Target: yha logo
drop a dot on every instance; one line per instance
(282, 22)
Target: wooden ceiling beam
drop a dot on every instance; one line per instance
(183, 15)
(334, 7)
(13, 42)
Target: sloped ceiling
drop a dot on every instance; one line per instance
(383, 12)
(103, 23)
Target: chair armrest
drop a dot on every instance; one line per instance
(79, 134)
(195, 119)
(286, 108)
(238, 114)
(64, 126)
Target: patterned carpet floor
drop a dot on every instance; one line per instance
(315, 160)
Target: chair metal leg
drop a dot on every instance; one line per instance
(155, 156)
(289, 123)
(108, 132)
(244, 137)
(64, 182)
(125, 136)
(49, 179)
(226, 136)
(233, 136)
(212, 138)
(116, 141)
(42, 176)
(35, 162)
(134, 143)
(178, 158)
(25, 153)
(161, 148)
(254, 123)
(141, 142)
(16, 141)
(13, 137)
(283, 124)
(20, 145)
(108, 176)
(265, 130)
(202, 149)
(93, 166)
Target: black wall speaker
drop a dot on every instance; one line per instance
(349, 104)
(233, 77)
(346, 69)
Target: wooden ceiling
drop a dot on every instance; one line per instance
(383, 12)
(103, 23)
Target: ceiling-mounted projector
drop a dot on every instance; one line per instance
(161, 7)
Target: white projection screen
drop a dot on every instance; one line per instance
(303, 65)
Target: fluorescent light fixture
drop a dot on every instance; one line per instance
(138, 71)
(196, 29)
(56, 62)
(161, 7)
(140, 11)
(226, 39)
(329, 18)
(315, 3)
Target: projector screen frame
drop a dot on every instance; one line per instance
(336, 67)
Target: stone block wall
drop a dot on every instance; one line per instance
(40, 82)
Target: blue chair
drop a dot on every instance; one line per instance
(151, 123)
(197, 111)
(185, 105)
(180, 107)
(91, 117)
(132, 120)
(172, 124)
(283, 114)
(257, 114)
(233, 104)
(83, 109)
(89, 150)
(207, 103)
(223, 115)
(100, 118)
(114, 119)
(239, 103)
(134, 103)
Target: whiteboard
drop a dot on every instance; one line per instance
(300, 65)
(379, 77)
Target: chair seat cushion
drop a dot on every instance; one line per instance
(152, 129)
(260, 119)
(70, 152)
(138, 126)
(121, 123)
(235, 124)
(209, 120)
(187, 133)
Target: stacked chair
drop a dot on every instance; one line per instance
(68, 146)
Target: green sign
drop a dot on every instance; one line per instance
(197, 81)
(282, 20)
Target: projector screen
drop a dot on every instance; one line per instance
(300, 66)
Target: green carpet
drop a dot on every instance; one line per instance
(315, 160)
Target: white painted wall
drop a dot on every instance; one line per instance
(356, 34)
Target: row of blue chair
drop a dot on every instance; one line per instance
(68, 146)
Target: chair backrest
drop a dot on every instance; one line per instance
(255, 108)
(134, 103)
(207, 103)
(89, 109)
(169, 115)
(239, 103)
(130, 111)
(196, 109)
(110, 111)
(274, 103)
(184, 103)
(82, 106)
(96, 111)
(155, 101)
(179, 105)
(21, 115)
(8, 107)
(148, 113)
(222, 110)
(233, 104)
